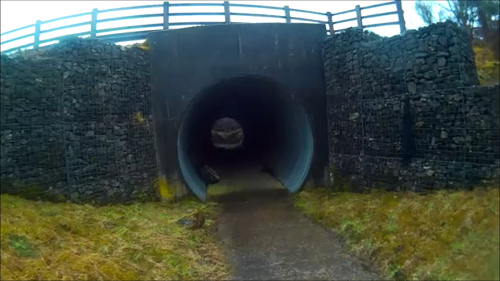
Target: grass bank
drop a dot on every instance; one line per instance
(439, 236)
(41, 240)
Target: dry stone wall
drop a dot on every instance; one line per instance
(76, 123)
(407, 111)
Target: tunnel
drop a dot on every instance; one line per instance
(277, 135)
(267, 77)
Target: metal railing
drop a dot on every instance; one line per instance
(166, 16)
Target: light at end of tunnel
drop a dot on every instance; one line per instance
(227, 133)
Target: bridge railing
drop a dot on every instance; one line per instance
(125, 34)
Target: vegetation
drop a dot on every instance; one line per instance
(144, 45)
(41, 240)
(488, 68)
(481, 20)
(441, 236)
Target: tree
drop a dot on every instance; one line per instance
(425, 10)
(487, 18)
(464, 13)
(480, 20)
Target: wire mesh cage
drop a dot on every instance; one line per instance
(406, 112)
(76, 122)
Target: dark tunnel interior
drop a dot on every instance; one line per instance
(277, 134)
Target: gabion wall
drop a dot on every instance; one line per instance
(407, 111)
(76, 123)
(404, 112)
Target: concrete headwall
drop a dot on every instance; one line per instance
(185, 62)
(76, 123)
(407, 111)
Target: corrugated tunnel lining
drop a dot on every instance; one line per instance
(277, 131)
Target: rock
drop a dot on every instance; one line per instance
(474, 111)
(185, 222)
(443, 40)
(70, 152)
(353, 116)
(110, 193)
(421, 55)
(89, 169)
(441, 62)
(434, 104)
(444, 135)
(433, 141)
(198, 221)
(412, 87)
(75, 196)
(68, 65)
(208, 175)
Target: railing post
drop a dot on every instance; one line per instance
(36, 40)
(288, 18)
(330, 22)
(93, 23)
(401, 17)
(227, 13)
(358, 16)
(166, 13)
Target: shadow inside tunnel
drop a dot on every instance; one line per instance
(242, 178)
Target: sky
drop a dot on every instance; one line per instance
(15, 14)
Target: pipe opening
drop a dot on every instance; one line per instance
(276, 137)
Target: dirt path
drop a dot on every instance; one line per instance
(266, 238)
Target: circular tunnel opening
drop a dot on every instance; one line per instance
(276, 136)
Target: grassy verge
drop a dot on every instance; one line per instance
(41, 240)
(440, 236)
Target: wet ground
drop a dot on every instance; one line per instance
(265, 238)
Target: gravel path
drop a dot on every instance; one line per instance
(265, 238)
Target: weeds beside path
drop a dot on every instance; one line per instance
(439, 236)
(41, 240)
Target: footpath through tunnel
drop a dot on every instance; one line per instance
(277, 136)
